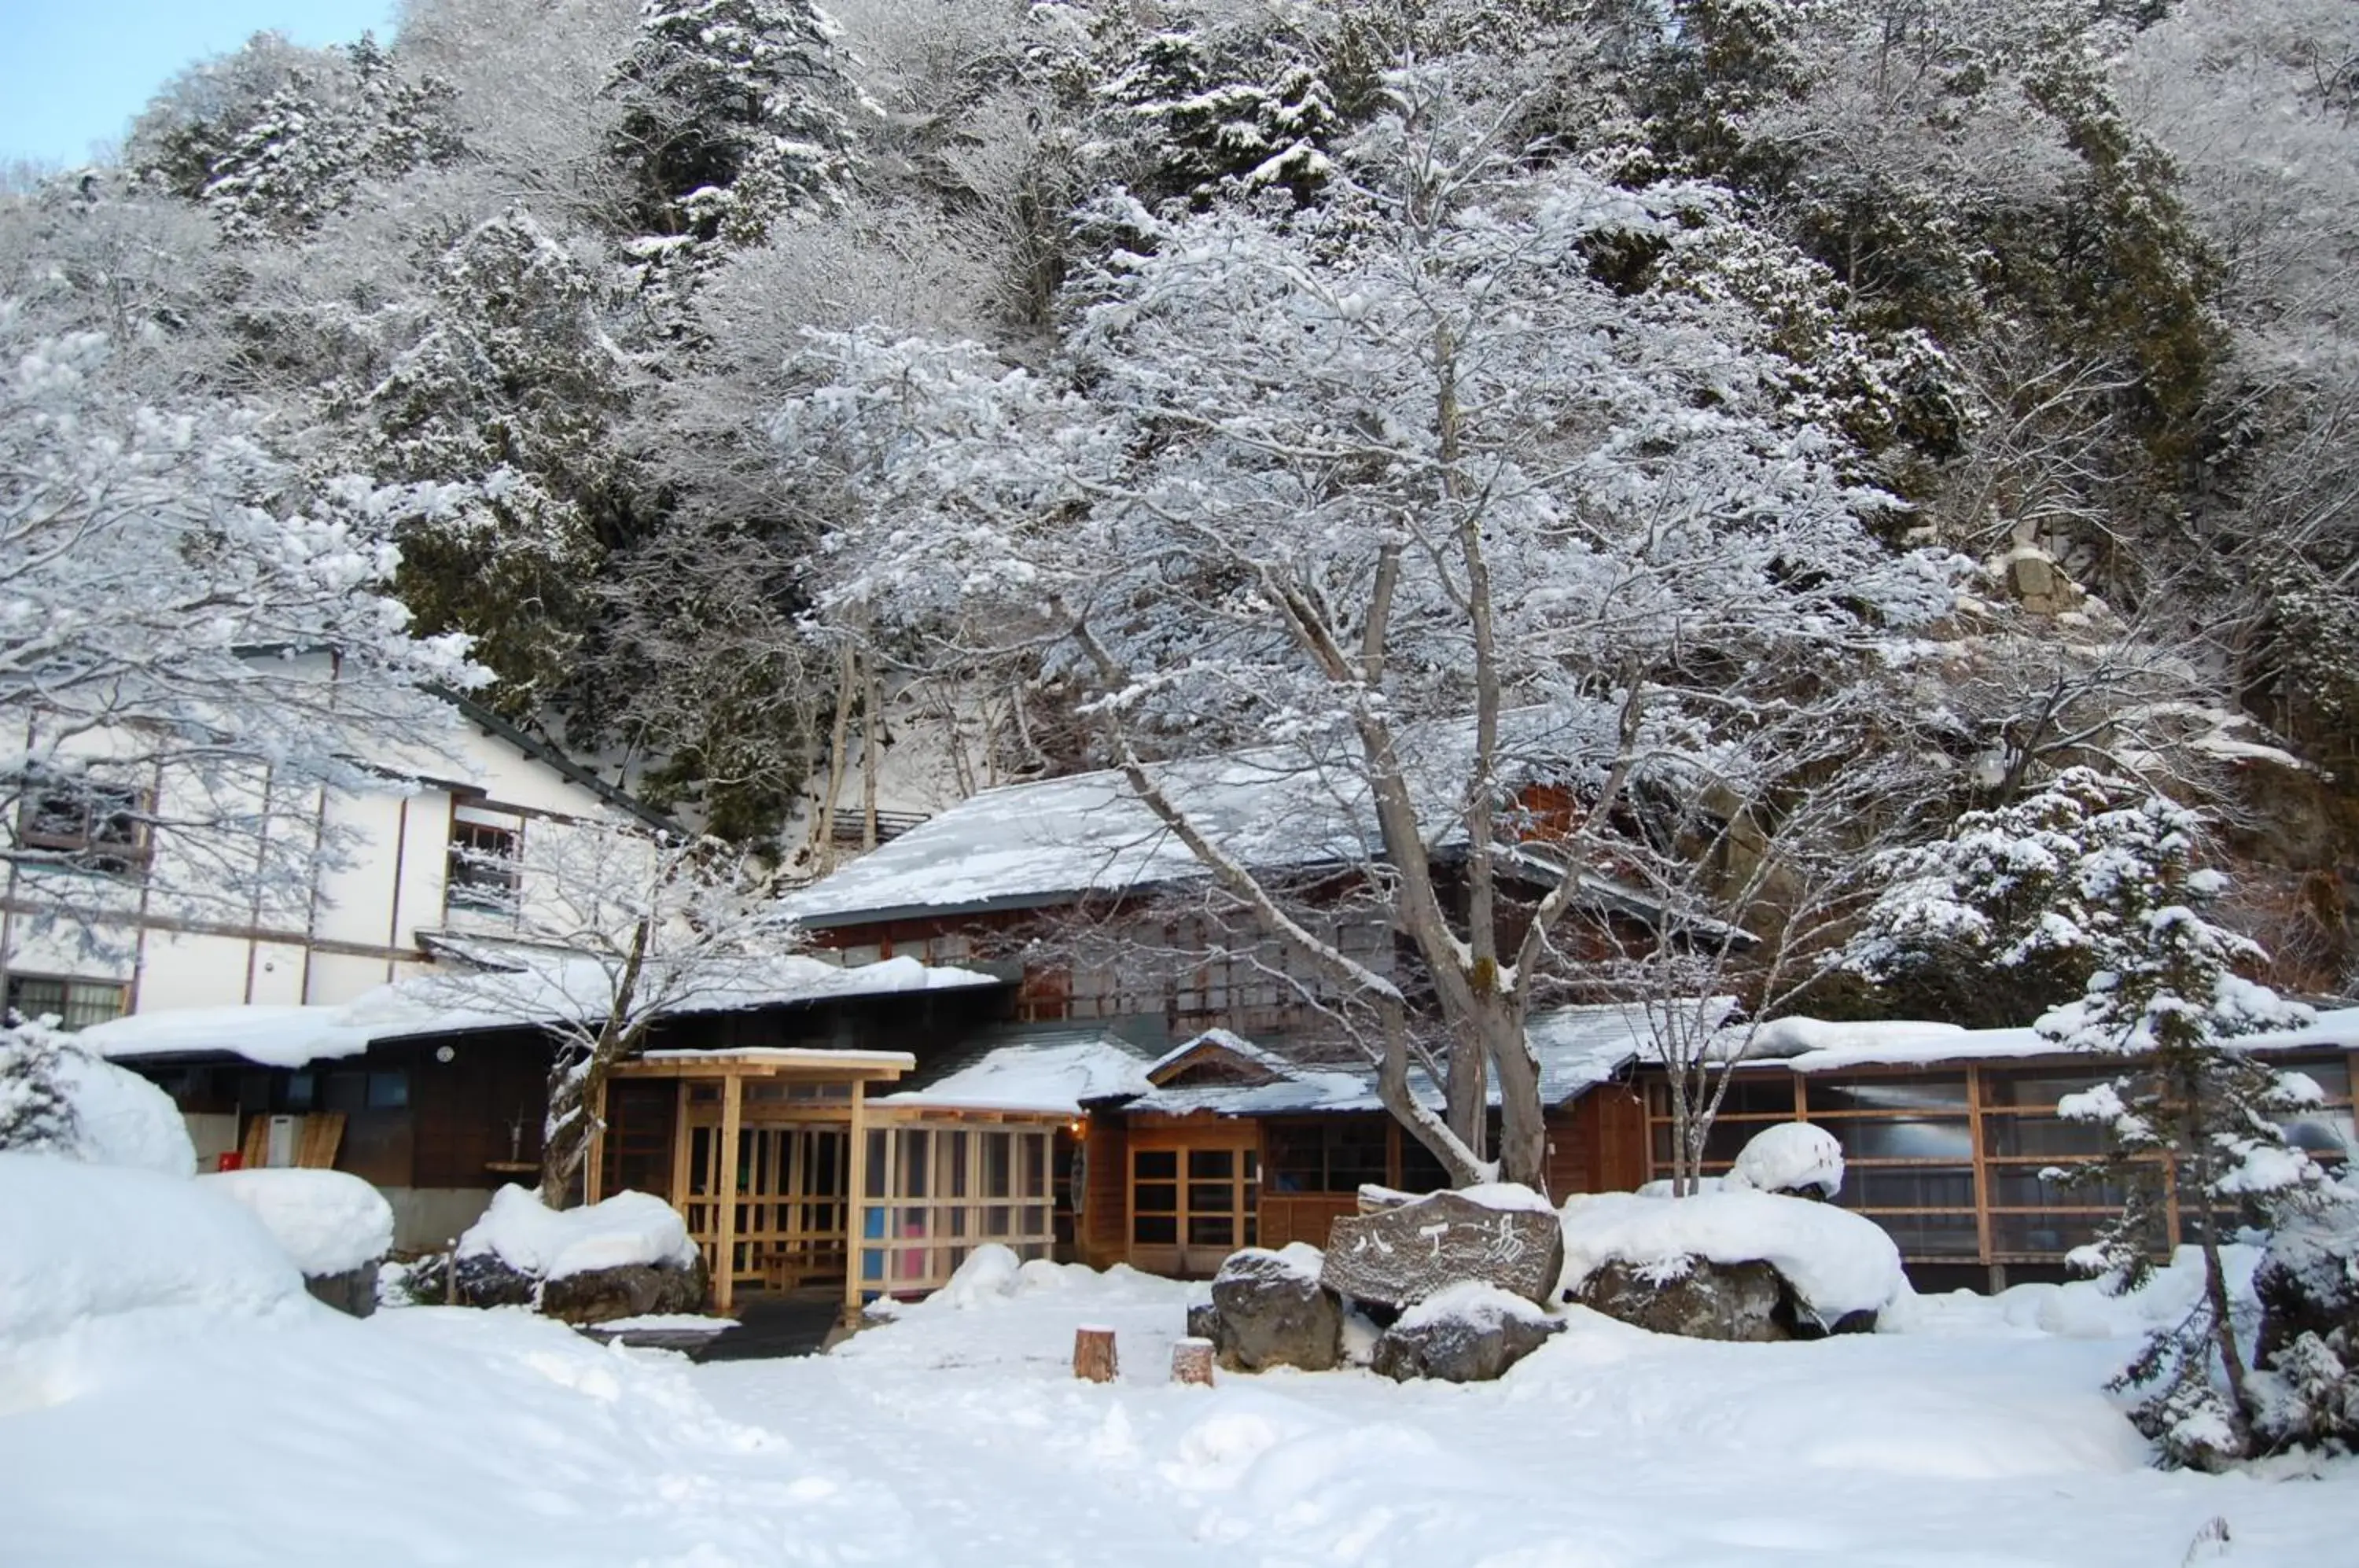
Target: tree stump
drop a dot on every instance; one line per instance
(1191, 1362)
(1093, 1356)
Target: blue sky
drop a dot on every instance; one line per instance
(75, 71)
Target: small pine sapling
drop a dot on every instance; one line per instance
(2191, 1120)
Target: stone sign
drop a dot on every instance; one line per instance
(1397, 1256)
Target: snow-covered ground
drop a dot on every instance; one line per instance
(182, 1432)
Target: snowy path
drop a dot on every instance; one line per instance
(956, 1438)
(1613, 1449)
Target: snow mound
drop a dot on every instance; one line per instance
(78, 1242)
(328, 1222)
(117, 1117)
(1837, 1262)
(989, 1273)
(1787, 1157)
(551, 1244)
(1477, 1301)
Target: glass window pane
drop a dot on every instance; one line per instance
(1036, 1164)
(1210, 1197)
(2020, 1187)
(2046, 1235)
(1207, 1164)
(388, 1091)
(1765, 1093)
(915, 1147)
(1908, 1187)
(954, 1158)
(1161, 1164)
(1212, 1230)
(1926, 1140)
(1156, 1197)
(2036, 1091)
(998, 1219)
(1932, 1236)
(1298, 1158)
(1155, 1230)
(2036, 1136)
(1911, 1091)
(879, 1170)
(998, 1165)
(1356, 1155)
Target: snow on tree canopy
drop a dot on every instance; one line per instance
(80, 1241)
(1837, 1261)
(1787, 1158)
(548, 1244)
(329, 1221)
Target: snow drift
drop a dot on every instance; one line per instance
(548, 1244)
(328, 1222)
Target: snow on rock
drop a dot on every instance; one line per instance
(1510, 1196)
(78, 1242)
(1787, 1157)
(551, 1244)
(1837, 1261)
(1474, 1300)
(329, 1221)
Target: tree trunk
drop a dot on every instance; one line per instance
(574, 1087)
(1191, 1362)
(1458, 1159)
(1093, 1356)
(2215, 1278)
(838, 745)
(872, 725)
(1523, 1127)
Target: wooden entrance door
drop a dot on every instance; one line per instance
(1193, 1200)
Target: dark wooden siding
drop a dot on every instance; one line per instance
(481, 1108)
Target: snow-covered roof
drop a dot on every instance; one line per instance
(1056, 1071)
(554, 986)
(1228, 1041)
(1274, 807)
(1817, 1045)
(1582, 1047)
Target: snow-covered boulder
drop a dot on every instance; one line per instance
(80, 1241)
(1268, 1309)
(1794, 1158)
(56, 1098)
(1470, 1333)
(2307, 1279)
(1689, 1296)
(1409, 1248)
(628, 1256)
(1837, 1270)
(335, 1227)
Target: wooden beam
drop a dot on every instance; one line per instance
(855, 1205)
(684, 1141)
(593, 1169)
(724, 1254)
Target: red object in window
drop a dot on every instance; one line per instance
(230, 1159)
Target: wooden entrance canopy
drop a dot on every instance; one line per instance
(853, 1070)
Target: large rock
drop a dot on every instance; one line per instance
(1399, 1255)
(2307, 1280)
(1468, 1334)
(1269, 1310)
(1691, 1296)
(626, 1291)
(352, 1291)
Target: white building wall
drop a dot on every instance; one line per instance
(172, 941)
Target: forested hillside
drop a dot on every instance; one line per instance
(1945, 392)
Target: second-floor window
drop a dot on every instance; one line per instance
(485, 872)
(75, 1004)
(90, 825)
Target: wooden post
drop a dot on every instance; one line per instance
(855, 1205)
(724, 1251)
(1191, 1362)
(593, 1169)
(1093, 1357)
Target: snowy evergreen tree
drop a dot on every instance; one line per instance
(735, 112)
(36, 1115)
(1209, 127)
(496, 421)
(280, 164)
(2192, 1120)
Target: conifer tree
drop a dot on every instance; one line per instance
(2191, 1120)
